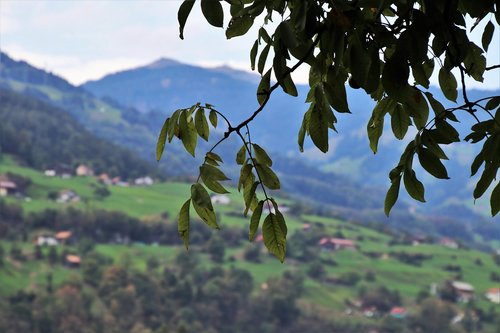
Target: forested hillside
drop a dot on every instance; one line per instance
(43, 137)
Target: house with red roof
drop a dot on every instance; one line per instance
(398, 312)
(332, 243)
(493, 295)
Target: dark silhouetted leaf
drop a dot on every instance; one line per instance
(432, 164)
(392, 195)
(238, 26)
(413, 186)
(183, 14)
(448, 84)
(213, 12)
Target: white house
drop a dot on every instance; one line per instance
(83, 170)
(220, 199)
(144, 181)
(46, 240)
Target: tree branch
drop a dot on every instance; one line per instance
(492, 67)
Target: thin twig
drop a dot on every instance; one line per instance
(492, 67)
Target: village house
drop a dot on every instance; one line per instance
(331, 243)
(50, 173)
(398, 312)
(63, 237)
(448, 242)
(104, 178)
(493, 295)
(66, 196)
(7, 187)
(83, 170)
(220, 199)
(72, 261)
(43, 240)
(306, 226)
(144, 181)
(465, 291)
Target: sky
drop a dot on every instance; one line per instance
(86, 39)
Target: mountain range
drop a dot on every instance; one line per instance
(166, 85)
(129, 107)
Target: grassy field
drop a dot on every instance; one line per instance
(476, 267)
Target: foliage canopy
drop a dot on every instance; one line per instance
(389, 49)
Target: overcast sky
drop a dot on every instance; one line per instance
(86, 39)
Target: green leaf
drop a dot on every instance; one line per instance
(253, 53)
(268, 177)
(201, 124)
(418, 108)
(392, 195)
(213, 12)
(335, 91)
(162, 138)
(375, 125)
(413, 186)
(261, 156)
(262, 58)
(183, 14)
(214, 157)
(302, 131)
(264, 86)
(432, 164)
(212, 116)
(212, 172)
(448, 84)
(318, 128)
(274, 239)
(495, 200)
(245, 172)
(279, 217)
(255, 220)
(487, 35)
(203, 205)
(289, 86)
(188, 133)
(183, 226)
(400, 120)
(241, 156)
(484, 182)
(445, 133)
(210, 176)
(173, 125)
(238, 26)
(250, 197)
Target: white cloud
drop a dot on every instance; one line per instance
(86, 39)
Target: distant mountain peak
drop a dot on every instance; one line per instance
(163, 62)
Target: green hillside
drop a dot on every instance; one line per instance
(382, 257)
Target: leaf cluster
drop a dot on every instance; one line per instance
(390, 49)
